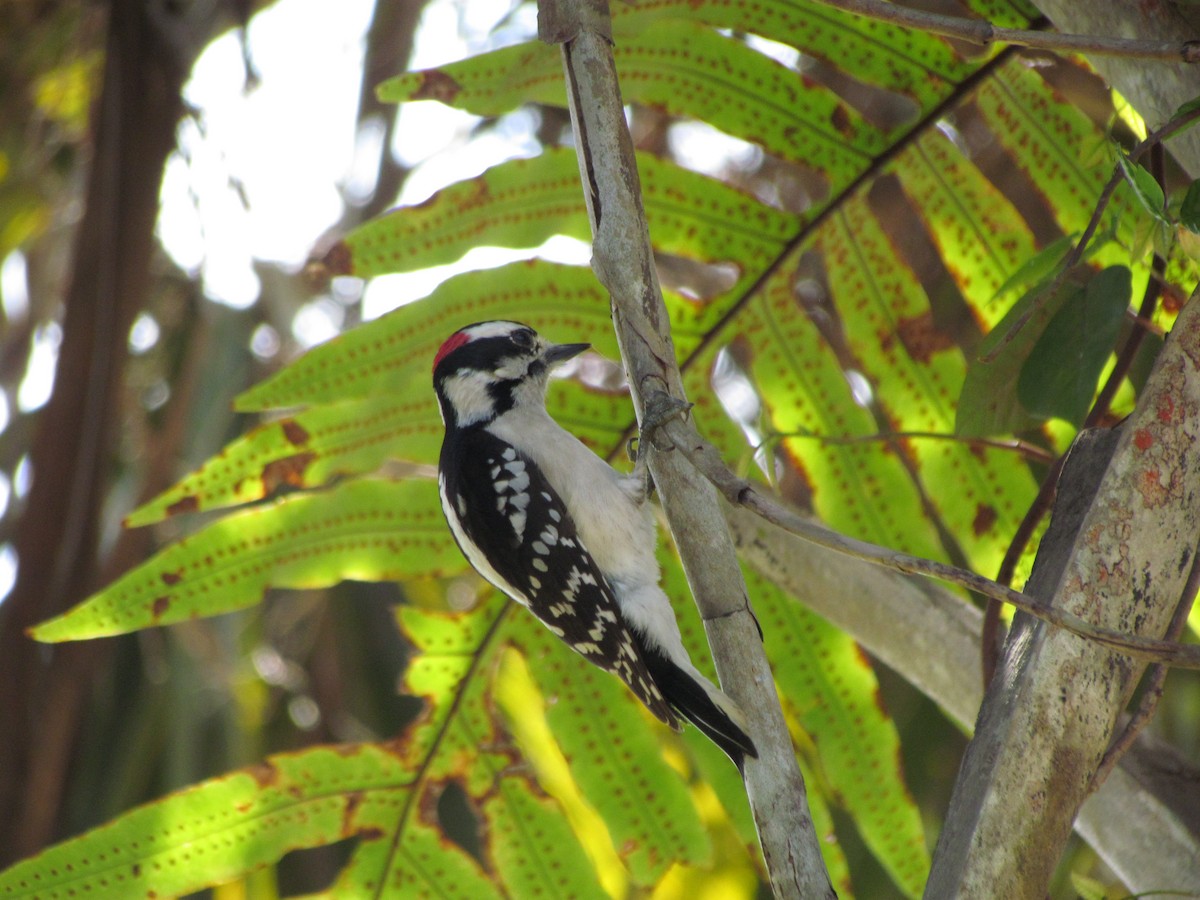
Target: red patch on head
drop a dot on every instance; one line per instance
(453, 342)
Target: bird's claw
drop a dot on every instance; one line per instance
(660, 407)
(631, 448)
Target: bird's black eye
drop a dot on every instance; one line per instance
(523, 339)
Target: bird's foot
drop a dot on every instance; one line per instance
(659, 408)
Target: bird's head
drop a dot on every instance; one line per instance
(484, 370)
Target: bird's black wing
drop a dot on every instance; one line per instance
(532, 552)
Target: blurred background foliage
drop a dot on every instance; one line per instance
(843, 209)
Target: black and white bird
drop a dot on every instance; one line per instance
(556, 528)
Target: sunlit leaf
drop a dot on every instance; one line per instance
(519, 203)
(917, 369)
(220, 829)
(524, 709)
(618, 768)
(685, 69)
(1088, 888)
(935, 184)
(878, 53)
(305, 450)
(393, 355)
(607, 741)
(979, 233)
(1020, 109)
(65, 93)
(369, 530)
(806, 398)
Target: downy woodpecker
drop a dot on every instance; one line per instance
(557, 529)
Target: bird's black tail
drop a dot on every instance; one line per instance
(701, 703)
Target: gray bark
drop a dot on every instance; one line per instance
(1145, 821)
(1050, 713)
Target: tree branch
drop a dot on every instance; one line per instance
(981, 31)
(1153, 688)
(1121, 561)
(1143, 822)
(741, 492)
(623, 261)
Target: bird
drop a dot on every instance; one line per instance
(560, 531)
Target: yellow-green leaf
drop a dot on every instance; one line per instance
(368, 530)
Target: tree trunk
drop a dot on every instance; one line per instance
(71, 458)
(1049, 715)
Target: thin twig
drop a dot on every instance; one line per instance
(981, 31)
(1142, 321)
(741, 492)
(991, 640)
(1026, 449)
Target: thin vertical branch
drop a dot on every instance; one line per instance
(623, 261)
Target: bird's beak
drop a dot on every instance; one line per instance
(557, 353)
